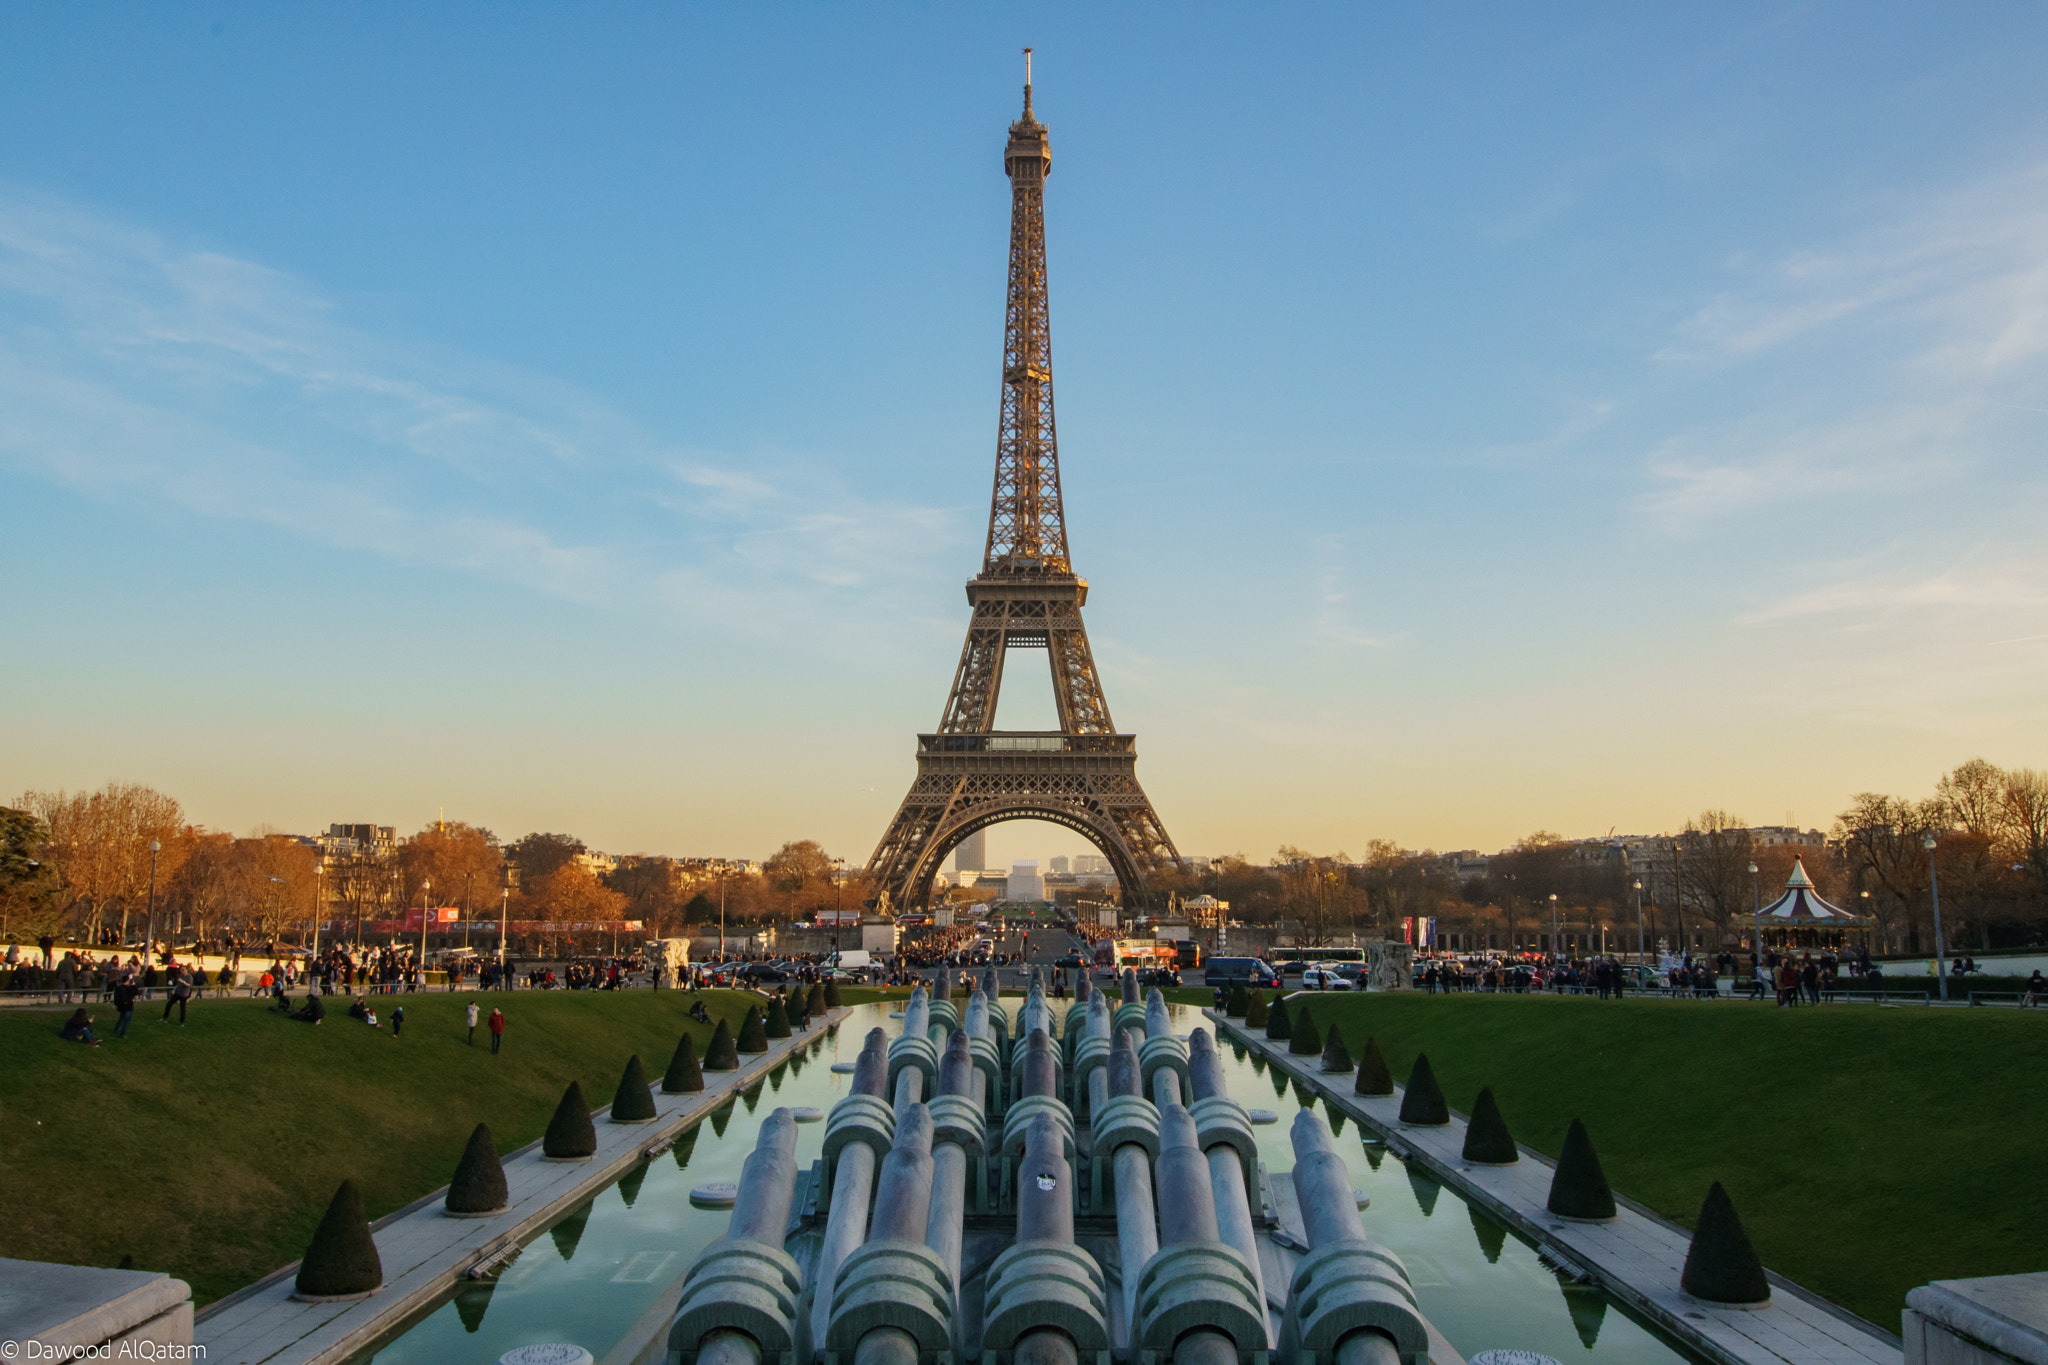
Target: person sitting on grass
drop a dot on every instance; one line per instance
(313, 1011)
(703, 1016)
(78, 1028)
(358, 1010)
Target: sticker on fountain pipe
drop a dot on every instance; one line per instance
(546, 1353)
(1047, 1183)
(716, 1194)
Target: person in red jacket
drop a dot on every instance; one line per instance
(497, 1029)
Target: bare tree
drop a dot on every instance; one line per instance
(1714, 867)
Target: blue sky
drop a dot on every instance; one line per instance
(1473, 418)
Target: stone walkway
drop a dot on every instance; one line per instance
(1637, 1258)
(425, 1252)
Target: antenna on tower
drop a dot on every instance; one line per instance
(1027, 82)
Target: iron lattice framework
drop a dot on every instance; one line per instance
(970, 775)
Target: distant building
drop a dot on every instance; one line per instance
(1771, 836)
(348, 841)
(1060, 865)
(597, 864)
(1091, 864)
(971, 854)
(1025, 883)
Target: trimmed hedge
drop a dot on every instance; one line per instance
(1720, 1265)
(1422, 1104)
(684, 1076)
(1374, 1078)
(632, 1102)
(721, 1053)
(1303, 1039)
(1237, 1001)
(570, 1132)
(1277, 1023)
(343, 1257)
(753, 1031)
(1487, 1138)
(776, 1025)
(1255, 1015)
(1336, 1057)
(831, 995)
(1579, 1189)
(814, 1001)
(479, 1183)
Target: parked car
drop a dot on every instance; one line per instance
(1323, 979)
(1071, 960)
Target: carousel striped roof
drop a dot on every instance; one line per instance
(1801, 902)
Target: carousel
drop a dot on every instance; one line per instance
(1803, 920)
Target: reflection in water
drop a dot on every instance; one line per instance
(1336, 1119)
(1304, 1096)
(1279, 1079)
(1426, 1190)
(1492, 1236)
(630, 1182)
(569, 1231)
(470, 1302)
(1374, 1154)
(685, 1145)
(774, 1081)
(721, 1117)
(751, 1096)
(1588, 1307)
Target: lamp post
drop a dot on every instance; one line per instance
(1642, 958)
(721, 916)
(1934, 889)
(1757, 897)
(1554, 954)
(149, 938)
(838, 893)
(504, 903)
(426, 885)
(319, 885)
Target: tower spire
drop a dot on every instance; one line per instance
(1027, 85)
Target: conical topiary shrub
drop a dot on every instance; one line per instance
(776, 1025)
(1336, 1057)
(1277, 1023)
(1373, 1076)
(1255, 1010)
(570, 1136)
(1487, 1139)
(1423, 1102)
(684, 1076)
(831, 995)
(814, 1002)
(721, 1053)
(478, 1188)
(342, 1262)
(1579, 1192)
(633, 1102)
(753, 1031)
(1303, 1038)
(1721, 1266)
(1238, 1001)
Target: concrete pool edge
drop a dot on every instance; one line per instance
(1622, 1257)
(426, 1254)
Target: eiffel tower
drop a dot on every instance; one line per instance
(969, 774)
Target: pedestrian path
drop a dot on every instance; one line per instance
(425, 1252)
(1637, 1258)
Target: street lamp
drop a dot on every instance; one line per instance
(1554, 954)
(1642, 957)
(149, 939)
(426, 885)
(1757, 896)
(504, 904)
(1934, 889)
(319, 885)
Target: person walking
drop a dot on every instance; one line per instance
(2032, 999)
(125, 992)
(497, 1029)
(176, 993)
(397, 1019)
(471, 1012)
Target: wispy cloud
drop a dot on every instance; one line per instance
(1928, 331)
(132, 368)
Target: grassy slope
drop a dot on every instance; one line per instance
(211, 1151)
(1867, 1151)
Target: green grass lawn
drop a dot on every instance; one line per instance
(211, 1151)
(1868, 1151)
